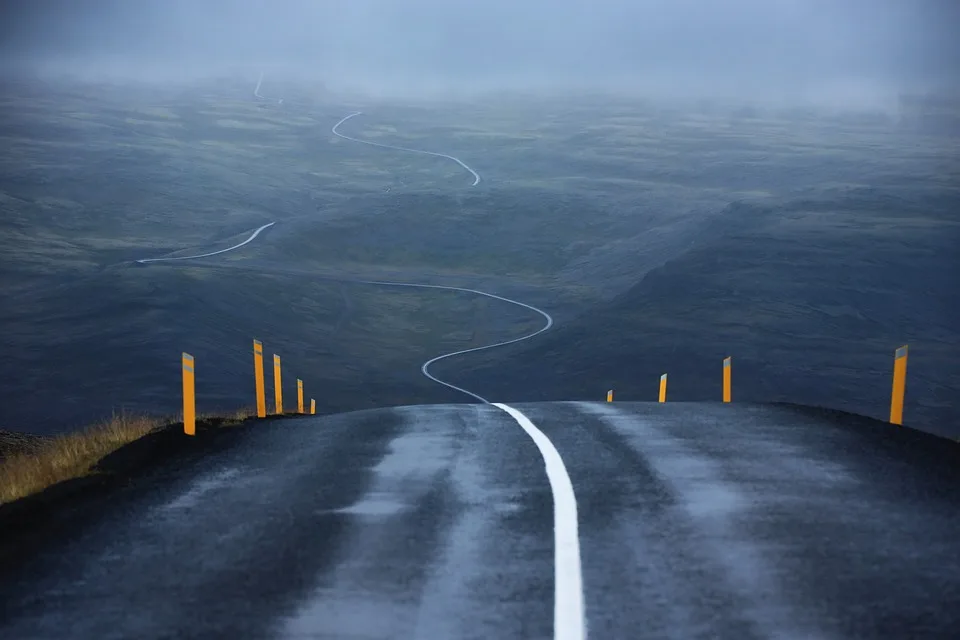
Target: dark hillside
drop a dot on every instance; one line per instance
(811, 299)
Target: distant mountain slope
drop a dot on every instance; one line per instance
(810, 299)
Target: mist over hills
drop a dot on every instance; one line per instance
(855, 52)
(674, 181)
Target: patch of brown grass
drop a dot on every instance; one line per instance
(240, 415)
(75, 455)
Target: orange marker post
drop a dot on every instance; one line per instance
(277, 386)
(299, 396)
(899, 385)
(610, 395)
(726, 379)
(189, 398)
(258, 378)
(313, 406)
(663, 388)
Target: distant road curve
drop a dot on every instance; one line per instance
(212, 253)
(256, 90)
(476, 176)
(425, 369)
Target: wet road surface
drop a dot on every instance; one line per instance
(453, 521)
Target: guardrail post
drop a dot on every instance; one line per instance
(663, 388)
(726, 379)
(299, 395)
(313, 406)
(899, 385)
(189, 398)
(277, 386)
(610, 395)
(258, 378)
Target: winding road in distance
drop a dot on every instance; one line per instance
(425, 369)
(476, 176)
(212, 253)
(256, 90)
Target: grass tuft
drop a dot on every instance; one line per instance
(76, 455)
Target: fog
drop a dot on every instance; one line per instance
(841, 51)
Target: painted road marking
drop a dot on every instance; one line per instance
(568, 617)
(476, 176)
(213, 253)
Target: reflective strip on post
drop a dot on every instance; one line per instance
(899, 385)
(610, 395)
(663, 388)
(299, 396)
(313, 406)
(189, 398)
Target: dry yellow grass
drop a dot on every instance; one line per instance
(76, 454)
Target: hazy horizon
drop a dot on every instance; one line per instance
(857, 53)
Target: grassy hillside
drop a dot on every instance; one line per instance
(583, 202)
(810, 298)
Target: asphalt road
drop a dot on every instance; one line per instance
(431, 522)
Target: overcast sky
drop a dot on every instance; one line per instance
(786, 48)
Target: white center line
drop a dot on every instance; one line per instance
(568, 617)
